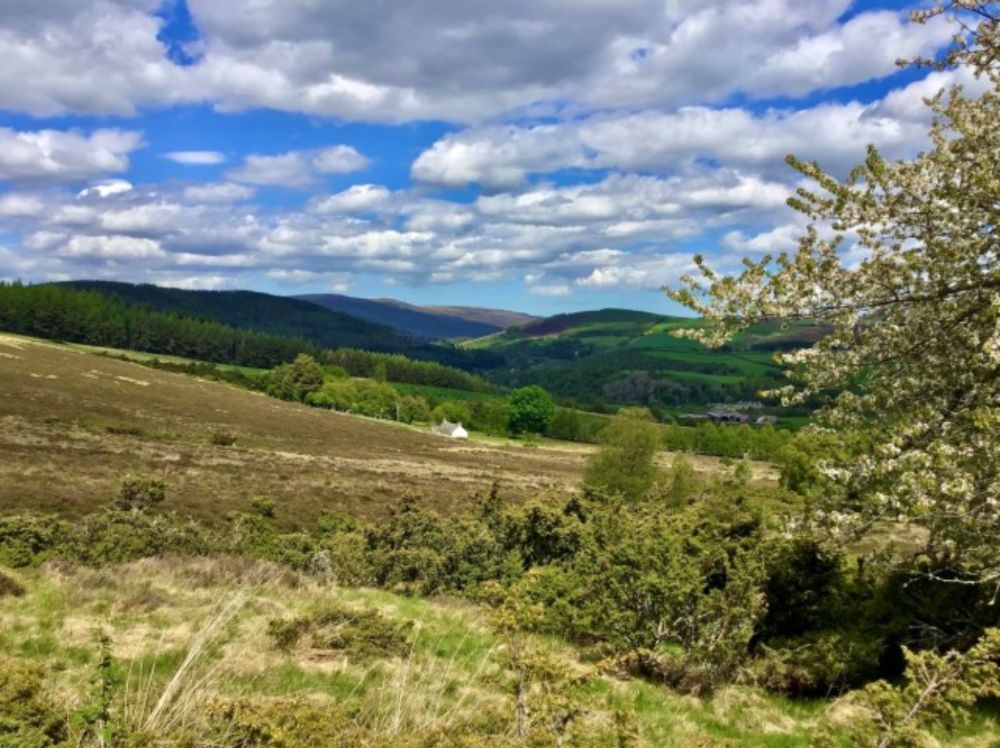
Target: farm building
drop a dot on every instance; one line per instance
(452, 430)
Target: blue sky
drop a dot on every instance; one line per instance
(531, 155)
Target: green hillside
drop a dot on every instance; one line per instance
(282, 316)
(250, 310)
(628, 357)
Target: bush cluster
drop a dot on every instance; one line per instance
(694, 590)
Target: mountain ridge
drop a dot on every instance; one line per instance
(404, 318)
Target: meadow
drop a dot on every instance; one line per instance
(74, 422)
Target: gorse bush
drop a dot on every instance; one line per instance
(140, 492)
(362, 635)
(624, 465)
(28, 719)
(692, 593)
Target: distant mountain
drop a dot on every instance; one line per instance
(498, 318)
(278, 315)
(405, 318)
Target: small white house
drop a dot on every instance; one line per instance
(452, 430)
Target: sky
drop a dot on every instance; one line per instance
(539, 155)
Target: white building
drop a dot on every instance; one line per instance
(452, 430)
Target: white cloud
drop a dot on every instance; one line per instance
(834, 134)
(439, 60)
(218, 192)
(338, 159)
(17, 205)
(196, 158)
(285, 170)
(556, 289)
(98, 57)
(64, 155)
(356, 198)
(106, 188)
(111, 248)
(297, 168)
(613, 275)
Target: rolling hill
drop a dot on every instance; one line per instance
(287, 317)
(500, 319)
(252, 310)
(74, 422)
(629, 357)
(403, 318)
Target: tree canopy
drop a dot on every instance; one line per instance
(911, 370)
(531, 410)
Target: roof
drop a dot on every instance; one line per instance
(448, 428)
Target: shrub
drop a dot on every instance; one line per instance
(364, 634)
(624, 465)
(819, 664)
(27, 718)
(28, 539)
(806, 589)
(222, 438)
(264, 506)
(296, 380)
(681, 480)
(140, 492)
(278, 723)
(9, 587)
(936, 693)
(455, 411)
(116, 537)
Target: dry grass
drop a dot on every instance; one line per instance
(72, 423)
(208, 643)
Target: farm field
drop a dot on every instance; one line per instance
(72, 423)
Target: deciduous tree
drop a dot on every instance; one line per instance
(911, 368)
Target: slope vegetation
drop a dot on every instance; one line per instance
(404, 319)
(251, 310)
(630, 357)
(498, 318)
(73, 423)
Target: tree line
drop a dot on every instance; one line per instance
(92, 318)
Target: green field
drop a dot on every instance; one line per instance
(619, 357)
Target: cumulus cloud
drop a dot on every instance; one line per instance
(834, 134)
(297, 168)
(218, 192)
(100, 57)
(106, 188)
(604, 141)
(555, 289)
(64, 155)
(196, 158)
(338, 159)
(461, 62)
(357, 198)
(111, 247)
(18, 205)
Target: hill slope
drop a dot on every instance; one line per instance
(73, 423)
(497, 318)
(629, 357)
(278, 315)
(405, 319)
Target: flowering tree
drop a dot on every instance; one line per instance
(911, 368)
